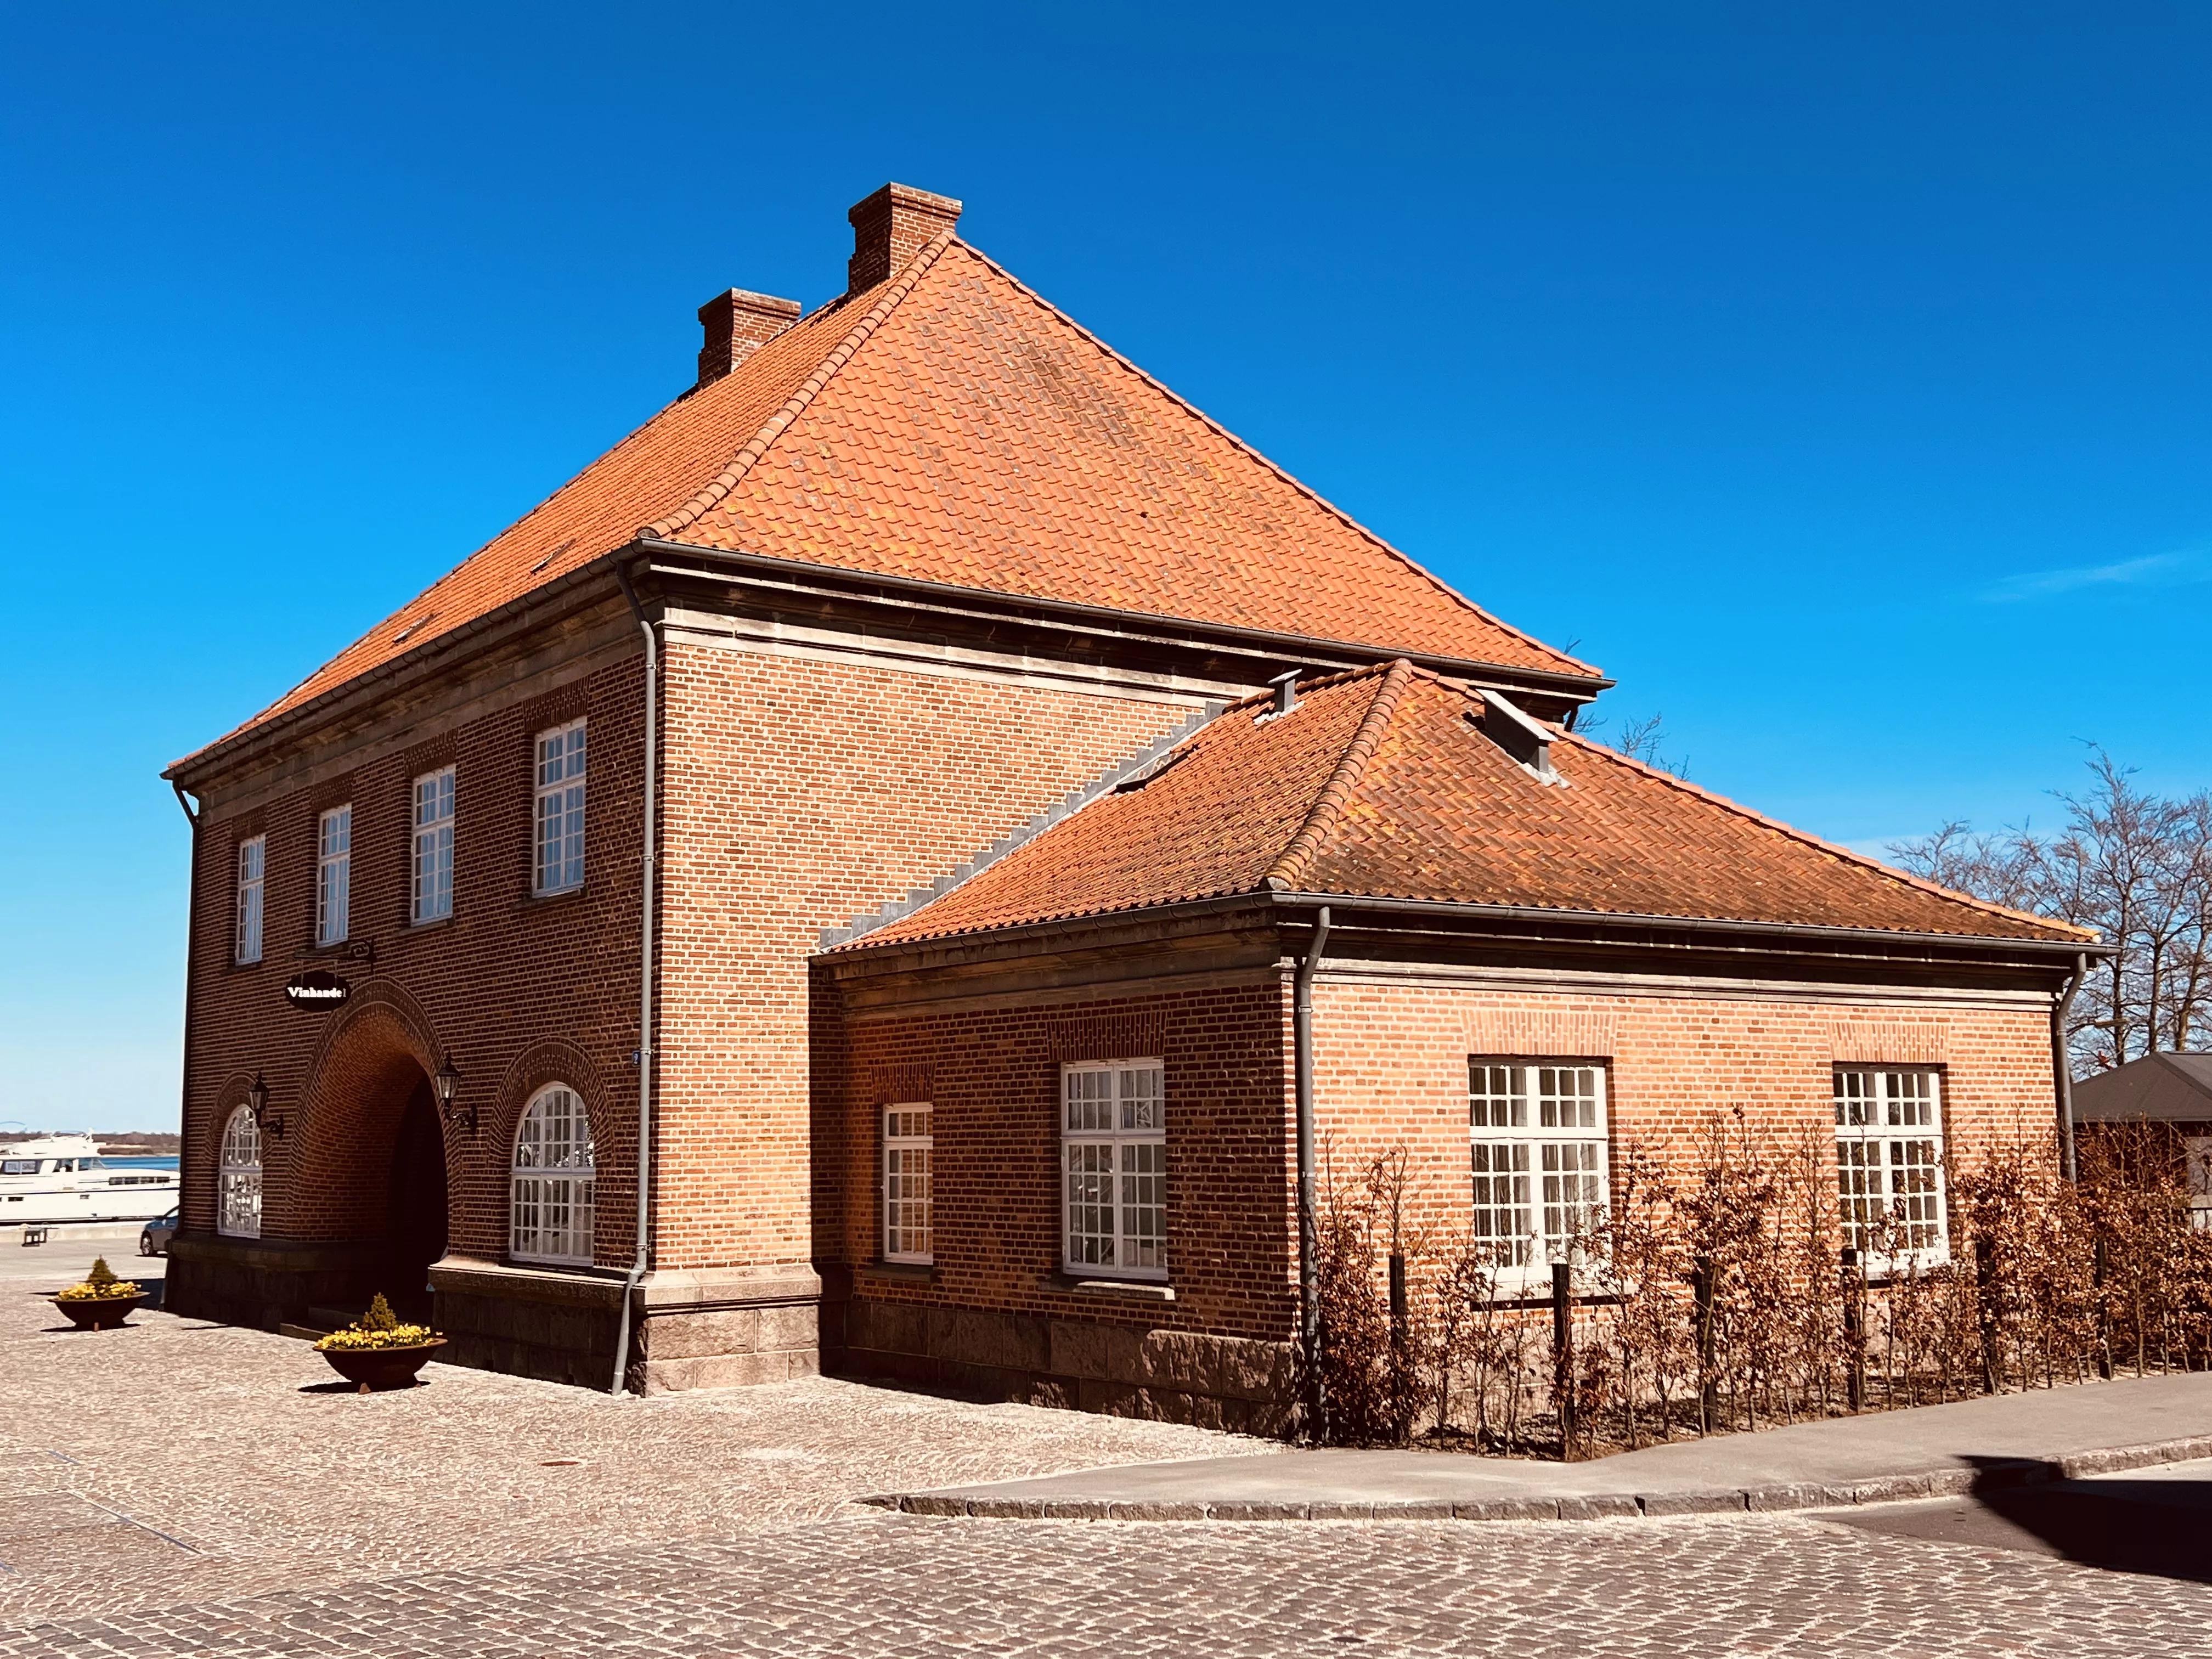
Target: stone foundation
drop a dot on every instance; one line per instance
(267, 1282)
(720, 1327)
(529, 1322)
(1170, 1375)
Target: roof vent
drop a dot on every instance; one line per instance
(889, 227)
(739, 323)
(1286, 692)
(1528, 741)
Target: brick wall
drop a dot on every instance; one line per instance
(798, 794)
(518, 991)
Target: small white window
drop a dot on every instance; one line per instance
(2196, 1150)
(433, 846)
(237, 1180)
(334, 876)
(560, 864)
(907, 1145)
(1889, 1165)
(1536, 1154)
(554, 1180)
(1114, 1170)
(252, 860)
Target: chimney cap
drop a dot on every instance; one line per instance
(894, 196)
(737, 323)
(744, 299)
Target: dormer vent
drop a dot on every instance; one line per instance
(1528, 741)
(1286, 692)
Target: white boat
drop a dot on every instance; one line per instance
(61, 1178)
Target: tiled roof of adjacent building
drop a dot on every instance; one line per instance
(948, 425)
(1385, 783)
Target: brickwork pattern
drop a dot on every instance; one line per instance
(798, 794)
(506, 973)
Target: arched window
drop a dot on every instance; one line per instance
(553, 1180)
(238, 1184)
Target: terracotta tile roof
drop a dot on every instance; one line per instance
(1383, 784)
(949, 425)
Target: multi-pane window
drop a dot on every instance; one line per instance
(252, 868)
(906, 1149)
(238, 1177)
(334, 876)
(1537, 1153)
(2197, 1155)
(554, 1180)
(1889, 1163)
(560, 864)
(1114, 1168)
(433, 846)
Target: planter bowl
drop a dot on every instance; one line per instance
(105, 1312)
(381, 1367)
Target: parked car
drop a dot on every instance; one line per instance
(153, 1237)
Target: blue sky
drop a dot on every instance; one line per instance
(1835, 377)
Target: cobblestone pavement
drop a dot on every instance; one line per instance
(183, 1489)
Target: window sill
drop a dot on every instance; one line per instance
(906, 1272)
(430, 926)
(540, 901)
(1136, 1290)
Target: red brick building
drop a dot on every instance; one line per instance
(864, 777)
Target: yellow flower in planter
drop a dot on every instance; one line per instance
(380, 1328)
(100, 1284)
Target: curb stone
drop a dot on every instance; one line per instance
(1592, 1506)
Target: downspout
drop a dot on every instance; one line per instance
(192, 956)
(2062, 1067)
(1308, 1239)
(644, 986)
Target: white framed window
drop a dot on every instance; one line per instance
(560, 861)
(907, 1145)
(554, 1179)
(334, 876)
(238, 1177)
(2196, 1154)
(1536, 1158)
(1114, 1168)
(433, 846)
(1889, 1163)
(253, 871)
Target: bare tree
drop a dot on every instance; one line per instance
(2134, 866)
(1640, 740)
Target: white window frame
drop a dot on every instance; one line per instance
(1540, 1162)
(237, 1179)
(1113, 1172)
(252, 887)
(432, 890)
(2196, 1168)
(910, 1147)
(334, 875)
(557, 815)
(552, 1187)
(1889, 1158)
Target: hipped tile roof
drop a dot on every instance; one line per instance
(1383, 784)
(949, 425)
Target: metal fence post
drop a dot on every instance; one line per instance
(1853, 1331)
(1563, 1354)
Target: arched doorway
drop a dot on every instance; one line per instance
(415, 1207)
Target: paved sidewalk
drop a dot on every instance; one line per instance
(1933, 1451)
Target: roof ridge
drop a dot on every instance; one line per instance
(746, 458)
(1303, 488)
(1074, 801)
(1282, 875)
(1833, 848)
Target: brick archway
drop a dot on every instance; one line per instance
(369, 1088)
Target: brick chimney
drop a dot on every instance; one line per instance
(891, 226)
(738, 324)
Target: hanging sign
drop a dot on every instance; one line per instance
(318, 988)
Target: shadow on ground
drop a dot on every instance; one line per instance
(2160, 1527)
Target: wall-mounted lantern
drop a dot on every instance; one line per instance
(271, 1124)
(448, 1083)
